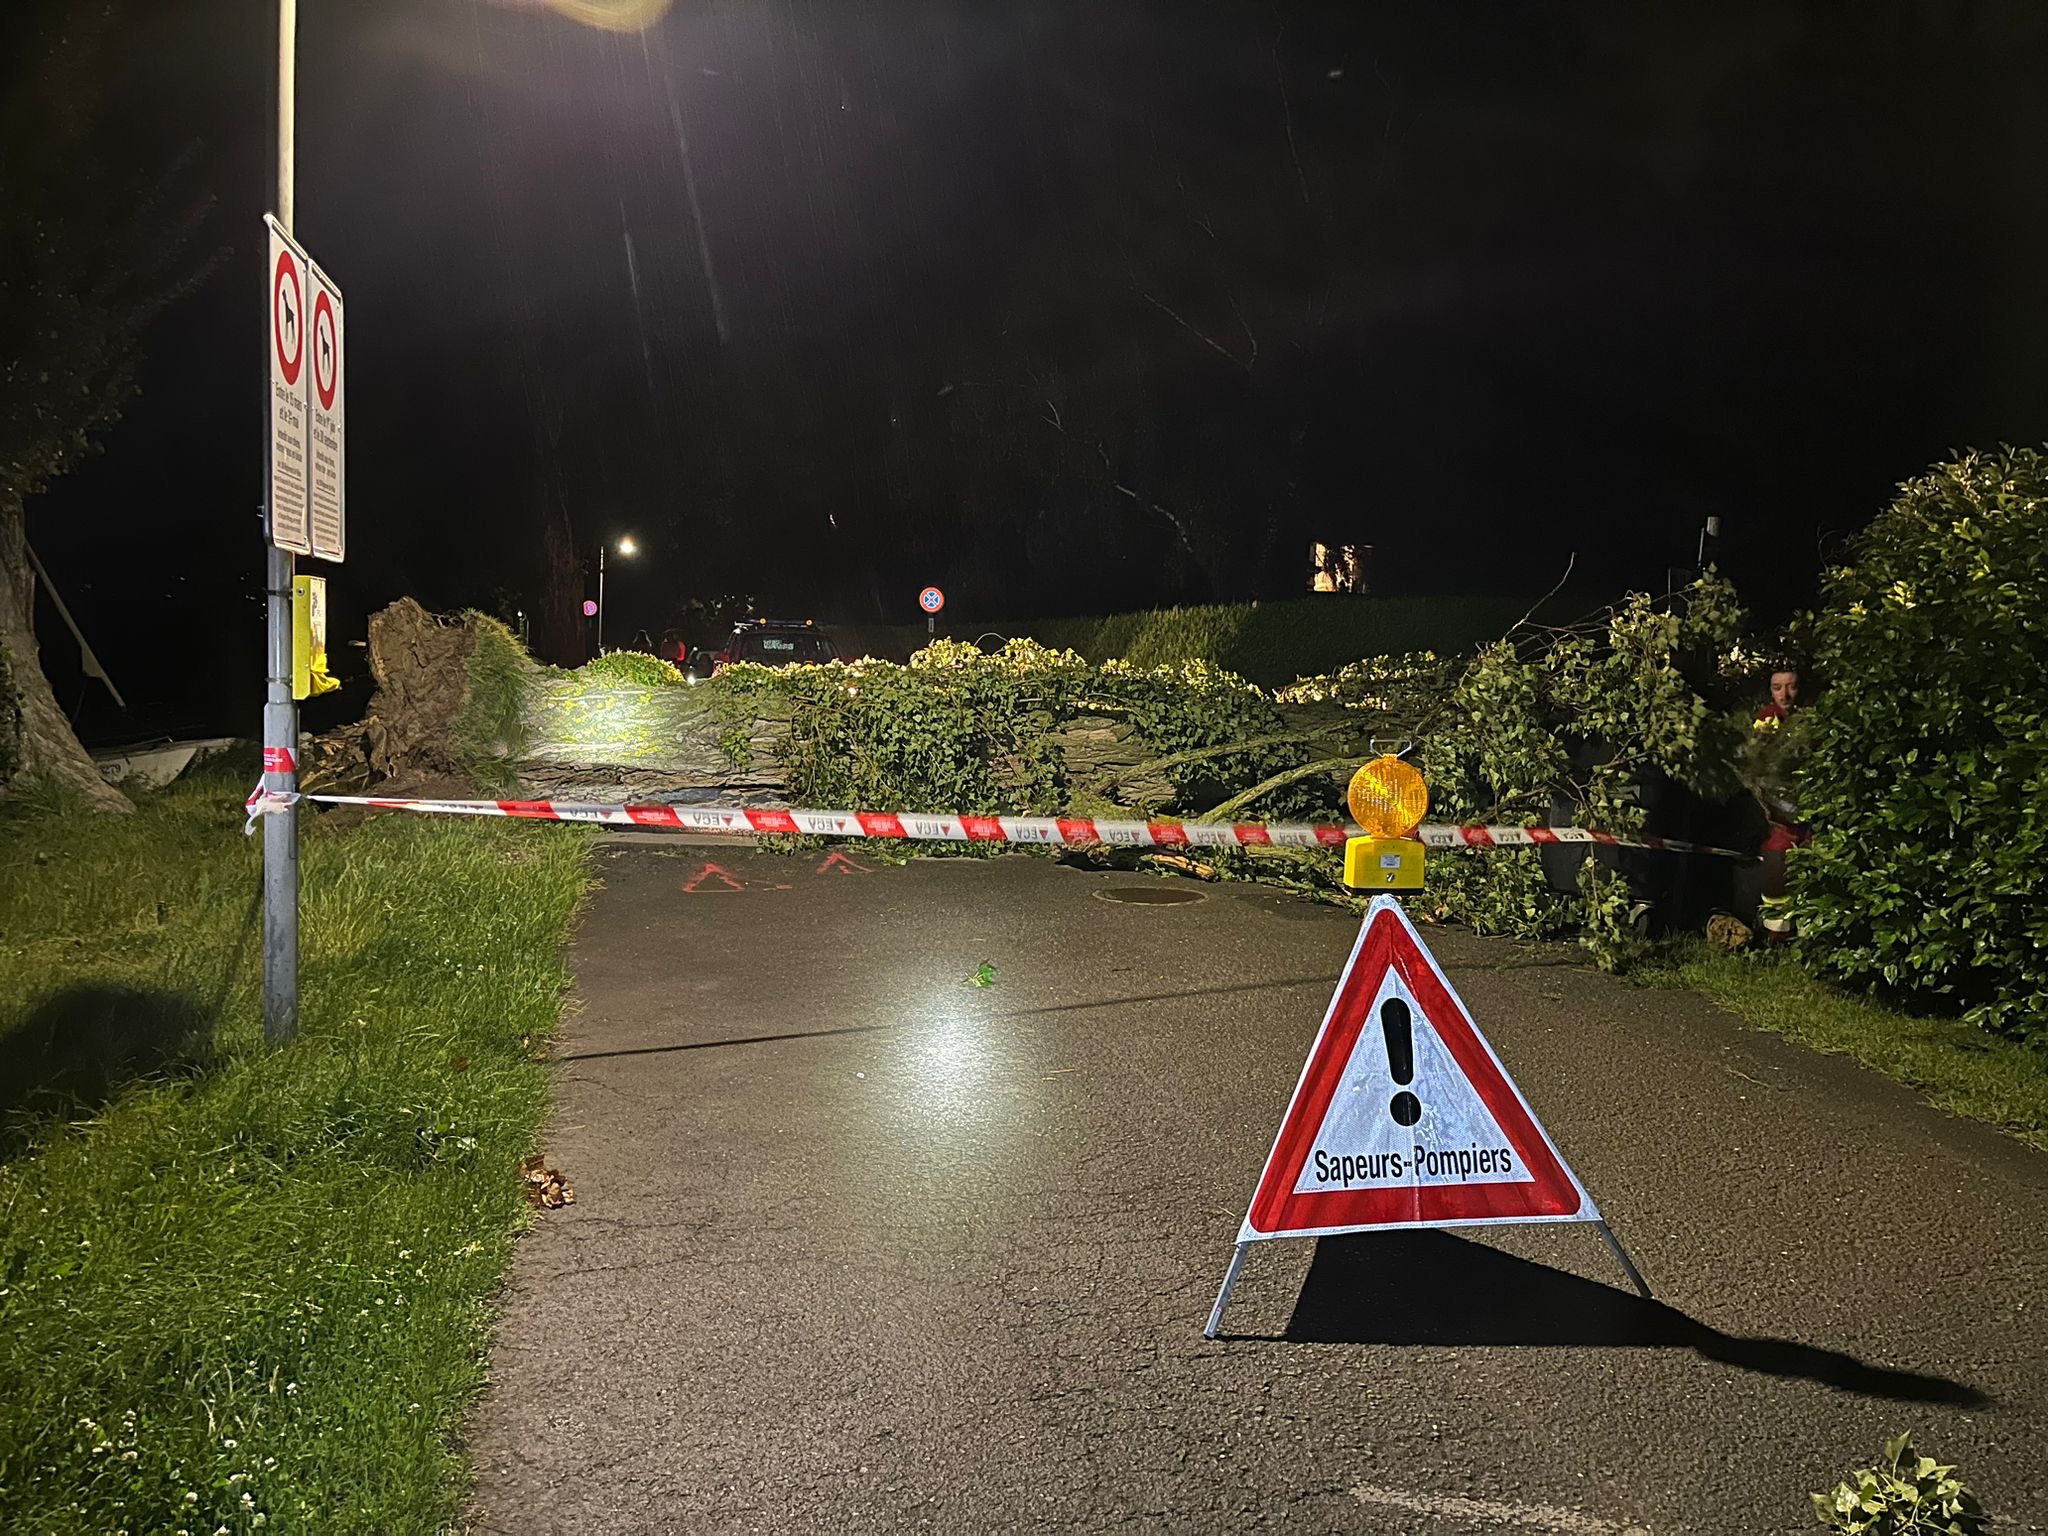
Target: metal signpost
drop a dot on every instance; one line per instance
(305, 513)
(931, 600)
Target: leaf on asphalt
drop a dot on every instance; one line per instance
(984, 976)
(545, 1186)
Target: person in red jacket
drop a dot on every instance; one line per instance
(1787, 831)
(1784, 694)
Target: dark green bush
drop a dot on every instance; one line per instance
(1928, 782)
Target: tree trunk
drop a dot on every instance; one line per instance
(37, 744)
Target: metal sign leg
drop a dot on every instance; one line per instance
(1634, 1274)
(1223, 1296)
(280, 831)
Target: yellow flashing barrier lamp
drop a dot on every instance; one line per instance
(309, 638)
(1388, 799)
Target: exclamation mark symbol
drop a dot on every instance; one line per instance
(1399, 1027)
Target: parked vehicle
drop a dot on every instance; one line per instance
(777, 643)
(697, 663)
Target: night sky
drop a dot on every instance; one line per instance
(1477, 284)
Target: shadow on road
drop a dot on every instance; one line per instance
(1328, 983)
(712, 1045)
(1014, 1013)
(1436, 1288)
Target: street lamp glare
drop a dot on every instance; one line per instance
(613, 15)
(628, 547)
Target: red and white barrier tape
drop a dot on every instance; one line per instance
(982, 829)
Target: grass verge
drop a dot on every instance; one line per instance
(250, 1291)
(1958, 1066)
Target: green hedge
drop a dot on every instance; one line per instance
(1270, 644)
(1928, 783)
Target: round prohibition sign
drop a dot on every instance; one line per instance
(287, 321)
(931, 599)
(326, 352)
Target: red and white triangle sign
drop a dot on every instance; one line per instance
(1404, 1117)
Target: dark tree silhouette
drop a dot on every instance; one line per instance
(87, 260)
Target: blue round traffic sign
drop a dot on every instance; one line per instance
(931, 599)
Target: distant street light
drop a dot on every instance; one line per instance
(626, 547)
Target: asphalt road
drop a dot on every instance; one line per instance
(861, 1246)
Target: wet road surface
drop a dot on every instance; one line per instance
(860, 1246)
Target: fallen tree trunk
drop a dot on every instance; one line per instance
(608, 744)
(586, 742)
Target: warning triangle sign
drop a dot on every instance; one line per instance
(1404, 1117)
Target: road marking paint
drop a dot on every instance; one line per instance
(1545, 1519)
(693, 886)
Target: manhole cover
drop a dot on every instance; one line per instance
(1151, 895)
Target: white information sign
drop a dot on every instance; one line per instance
(327, 370)
(287, 498)
(307, 494)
